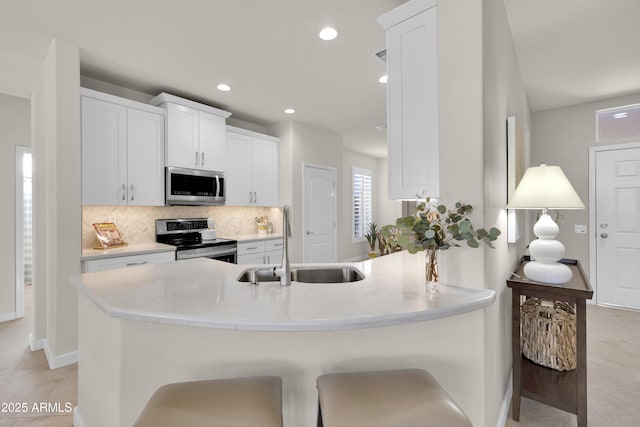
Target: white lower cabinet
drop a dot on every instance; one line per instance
(273, 251)
(102, 264)
(260, 252)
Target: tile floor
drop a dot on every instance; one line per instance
(25, 379)
(613, 375)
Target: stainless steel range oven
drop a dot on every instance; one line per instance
(184, 233)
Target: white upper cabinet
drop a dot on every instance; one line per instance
(252, 168)
(122, 151)
(145, 158)
(195, 133)
(239, 184)
(182, 136)
(412, 99)
(213, 147)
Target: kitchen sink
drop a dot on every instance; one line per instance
(341, 274)
(326, 275)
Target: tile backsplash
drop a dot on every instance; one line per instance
(137, 223)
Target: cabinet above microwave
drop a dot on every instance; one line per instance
(195, 133)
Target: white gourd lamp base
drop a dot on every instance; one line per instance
(545, 254)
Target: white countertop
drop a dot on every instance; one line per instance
(135, 249)
(245, 238)
(204, 292)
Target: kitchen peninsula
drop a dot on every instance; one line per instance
(147, 326)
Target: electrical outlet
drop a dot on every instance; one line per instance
(580, 229)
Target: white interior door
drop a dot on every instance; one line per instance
(319, 223)
(618, 227)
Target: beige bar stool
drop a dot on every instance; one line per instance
(234, 402)
(396, 398)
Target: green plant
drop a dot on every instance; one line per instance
(388, 239)
(372, 235)
(435, 227)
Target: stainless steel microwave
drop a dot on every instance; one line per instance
(194, 187)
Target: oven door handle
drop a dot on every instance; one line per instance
(212, 254)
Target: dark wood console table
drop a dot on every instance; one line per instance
(566, 390)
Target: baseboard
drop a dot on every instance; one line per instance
(36, 344)
(77, 418)
(506, 402)
(59, 361)
(5, 317)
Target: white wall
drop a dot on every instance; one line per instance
(562, 137)
(504, 96)
(461, 125)
(303, 143)
(19, 75)
(300, 142)
(56, 204)
(350, 159)
(22, 76)
(135, 95)
(15, 130)
(388, 210)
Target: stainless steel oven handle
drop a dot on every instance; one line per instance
(217, 181)
(182, 255)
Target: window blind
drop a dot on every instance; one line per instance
(362, 202)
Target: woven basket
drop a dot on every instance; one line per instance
(549, 334)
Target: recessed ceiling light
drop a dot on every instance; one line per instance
(224, 87)
(622, 115)
(328, 33)
(289, 110)
(383, 79)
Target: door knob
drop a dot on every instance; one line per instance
(604, 225)
(604, 235)
(309, 233)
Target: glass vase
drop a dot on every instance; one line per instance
(432, 258)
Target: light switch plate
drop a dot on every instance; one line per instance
(580, 229)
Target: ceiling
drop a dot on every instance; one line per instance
(570, 51)
(576, 51)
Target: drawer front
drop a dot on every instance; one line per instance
(273, 257)
(273, 245)
(258, 258)
(128, 261)
(250, 248)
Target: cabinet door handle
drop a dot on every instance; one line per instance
(309, 233)
(197, 159)
(131, 264)
(250, 197)
(278, 244)
(124, 192)
(255, 197)
(202, 159)
(131, 191)
(604, 235)
(251, 248)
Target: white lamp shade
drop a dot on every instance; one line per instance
(545, 187)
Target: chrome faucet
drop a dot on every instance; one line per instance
(284, 271)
